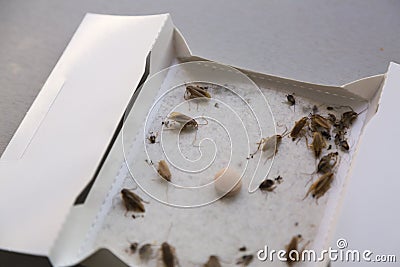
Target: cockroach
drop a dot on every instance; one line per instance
(145, 252)
(269, 145)
(320, 186)
(267, 185)
(184, 120)
(164, 171)
(196, 91)
(245, 260)
(132, 201)
(344, 145)
(152, 138)
(291, 101)
(332, 118)
(133, 247)
(278, 179)
(317, 121)
(329, 108)
(293, 246)
(213, 261)
(348, 118)
(298, 127)
(318, 144)
(327, 163)
(243, 248)
(168, 255)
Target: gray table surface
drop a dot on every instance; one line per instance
(329, 42)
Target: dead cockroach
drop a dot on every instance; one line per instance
(320, 186)
(318, 144)
(243, 248)
(297, 130)
(267, 185)
(292, 248)
(145, 252)
(245, 260)
(164, 171)
(213, 261)
(168, 255)
(327, 163)
(344, 145)
(184, 120)
(317, 121)
(132, 201)
(291, 101)
(133, 247)
(348, 118)
(152, 138)
(332, 118)
(196, 91)
(278, 179)
(269, 145)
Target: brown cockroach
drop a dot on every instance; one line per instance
(168, 255)
(196, 91)
(317, 144)
(327, 163)
(344, 145)
(243, 248)
(320, 186)
(164, 171)
(332, 118)
(267, 185)
(269, 145)
(184, 120)
(132, 201)
(298, 127)
(293, 246)
(145, 252)
(317, 121)
(152, 138)
(213, 261)
(245, 260)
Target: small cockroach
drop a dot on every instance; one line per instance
(327, 163)
(213, 261)
(344, 145)
(320, 186)
(317, 121)
(145, 252)
(318, 144)
(132, 201)
(329, 108)
(291, 101)
(293, 246)
(348, 118)
(267, 185)
(332, 118)
(298, 127)
(243, 248)
(133, 247)
(168, 255)
(164, 171)
(245, 260)
(269, 145)
(152, 138)
(196, 91)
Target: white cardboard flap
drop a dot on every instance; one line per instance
(63, 137)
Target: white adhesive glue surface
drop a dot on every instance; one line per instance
(195, 222)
